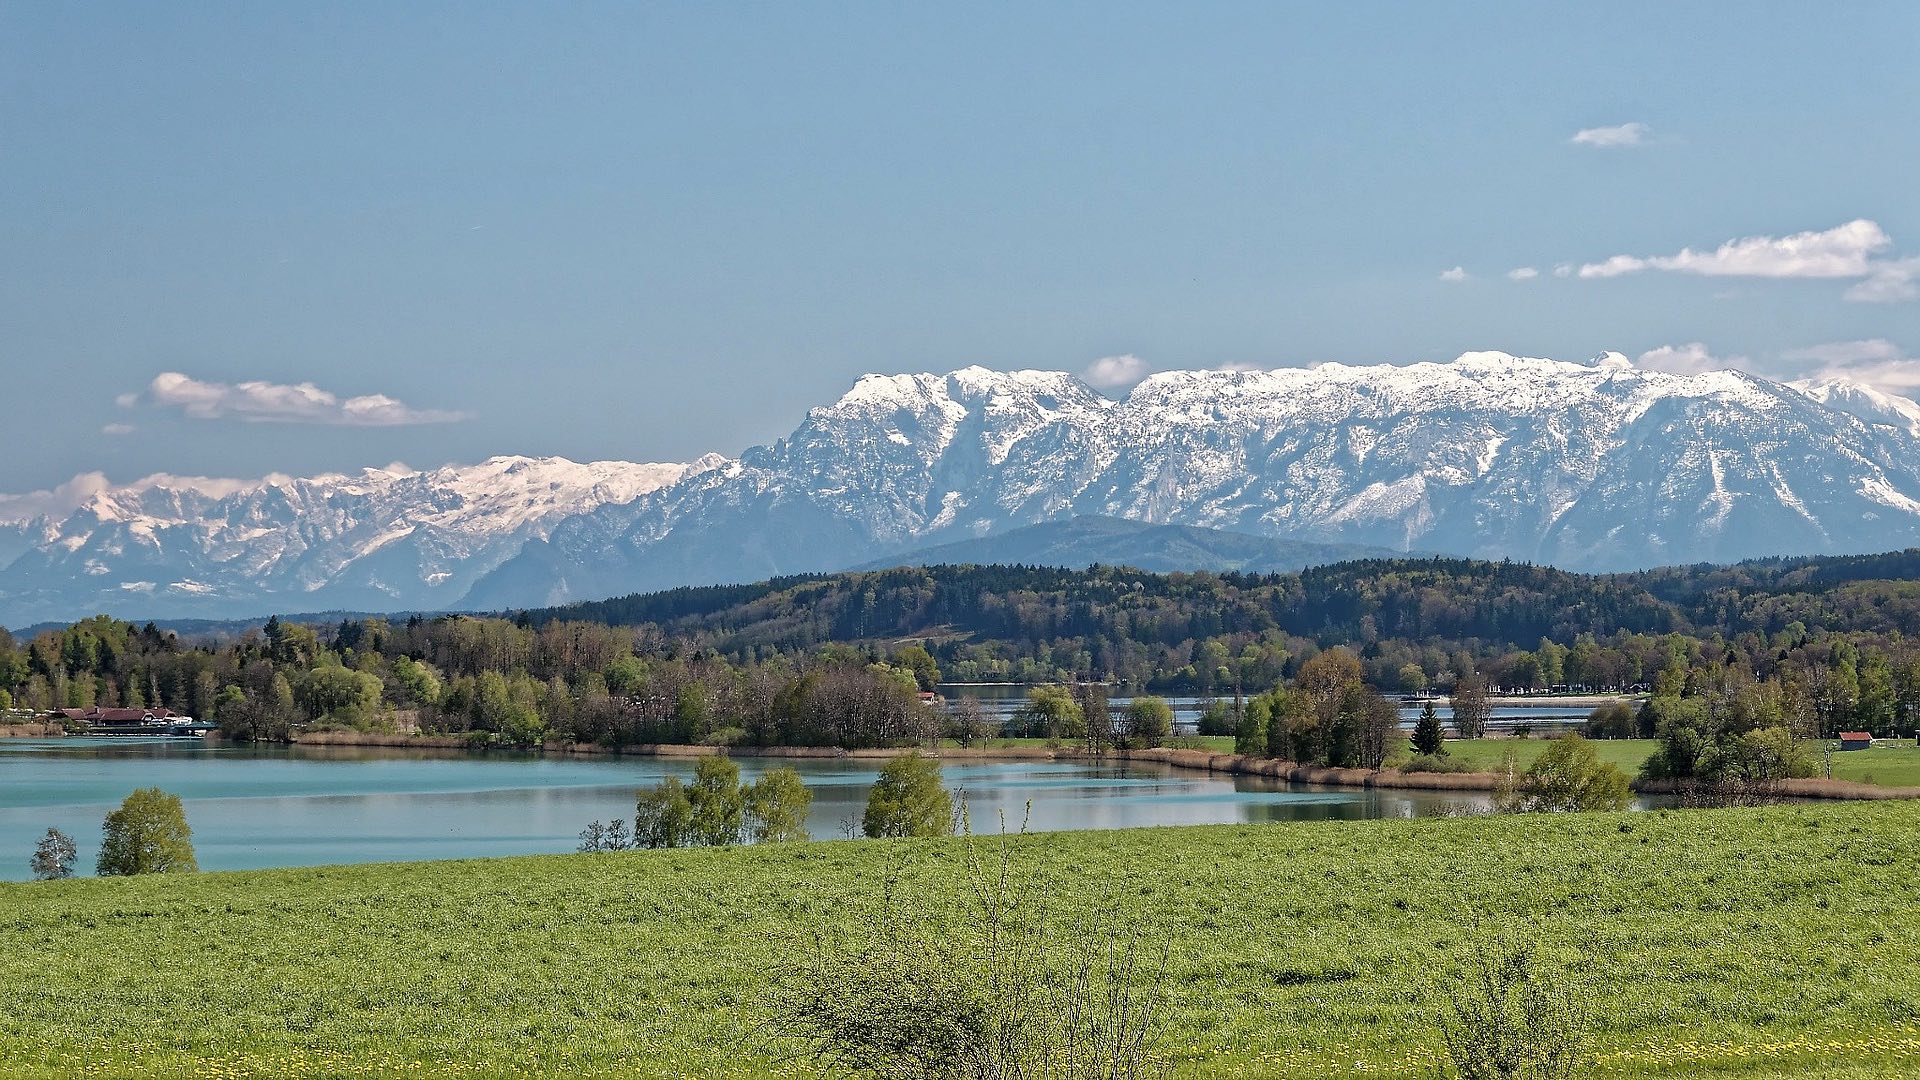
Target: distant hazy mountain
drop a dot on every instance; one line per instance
(1596, 466)
(381, 540)
(1083, 541)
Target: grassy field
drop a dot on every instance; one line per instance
(1892, 763)
(1889, 764)
(1489, 755)
(1755, 942)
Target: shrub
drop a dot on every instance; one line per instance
(908, 800)
(611, 836)
(1567, 776)
(1149, 722)
(1000, 989)
(1756, 757)
(1614, 720)
(1507, 1020)
(663, 815)
(719, 807)
(1429, 763)
(777, 806)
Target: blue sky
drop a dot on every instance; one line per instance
(649, 231)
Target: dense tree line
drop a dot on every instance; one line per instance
(843, 659)
(500, 682)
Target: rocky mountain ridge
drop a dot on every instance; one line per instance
(1589, 466)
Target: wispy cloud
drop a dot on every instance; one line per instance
(1877, 362)
(1892, 282)
(1614, 137)
(1840, 252)
(1852, 250)
(1693, 358)
(296, 403)
(57, 502)
(1111, 372)
(1874, 362)
(54, 502)
(1458, 273)
(117, 429)
(1522, 273)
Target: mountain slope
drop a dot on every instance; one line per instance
(1084, 541)
(1597, 466)
(379, 540)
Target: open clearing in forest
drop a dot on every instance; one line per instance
(1750, 942)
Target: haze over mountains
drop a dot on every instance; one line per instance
(1594, 466)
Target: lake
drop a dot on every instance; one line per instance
(255, 807)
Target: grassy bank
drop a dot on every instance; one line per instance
(1891, 763)
(1766, 942)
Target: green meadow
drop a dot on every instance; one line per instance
(1750, 942)
(1891, 762)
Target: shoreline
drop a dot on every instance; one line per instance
(1199, 760)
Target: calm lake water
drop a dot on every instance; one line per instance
(304, 806)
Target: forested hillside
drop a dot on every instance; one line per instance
(840, 660)
(1181, 629)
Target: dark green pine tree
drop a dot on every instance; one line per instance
(1428, 736)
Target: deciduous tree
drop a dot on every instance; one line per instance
(54, 856)
(908, 800)
(147, 835)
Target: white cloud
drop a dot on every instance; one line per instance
(1846, 251)
(1563, 270)
(1877, 362)
(1523, 273)
(127, 401)
(1693, 358)
(1840, 252)
(1110, 372)
(60, 501)
(1458, 273)
(117, 429)
(1241, 366)
(1891, 282)
(1874, 362)
(1615, 137)
(55, 502)
(299, 403)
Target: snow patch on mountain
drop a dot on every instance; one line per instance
(1596, 465)
(381, 537)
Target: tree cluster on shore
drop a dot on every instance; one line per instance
(147, 834)
(717, 810)
(843, 661)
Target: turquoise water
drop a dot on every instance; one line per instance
(301, 806)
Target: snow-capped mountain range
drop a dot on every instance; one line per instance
(1588, 466)
(381, 539)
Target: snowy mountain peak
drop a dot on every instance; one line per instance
(374, 539)
(1862, 401)
(1595, 465)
